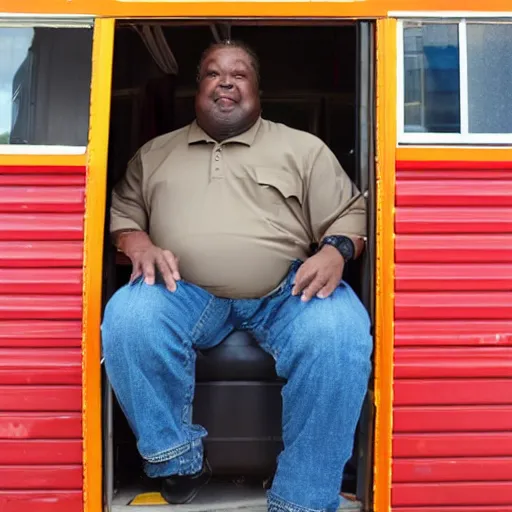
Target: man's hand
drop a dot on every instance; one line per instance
(320, 274)
(144, 256)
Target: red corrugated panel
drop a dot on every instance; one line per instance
(61, 451)
(41, 254)
(453, 249)
(464, 418)
(463, 493)
(40, 425)
(41, 477)
(453, 305)
(40, 366)
(46, 180)
(452, 445)
(41, 226)
(441, 166)
(32, 376)
(454, 193)
(35, 307)
(453, 220)
(452, 362)
(453, 174)
(452, 392)
(41, 501)
(41, 199)
(40, 398)
(42, 169)
(455, 276)
(481, 469)
(41, 281)
(40, 333)
(458, 508)
(453, 332)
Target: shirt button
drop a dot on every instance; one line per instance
(217, 158)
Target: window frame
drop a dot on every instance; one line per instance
(49, 21)
(440, 138)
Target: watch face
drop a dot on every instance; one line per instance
(345, 248)
(344, 245)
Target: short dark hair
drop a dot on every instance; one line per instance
(230, 43)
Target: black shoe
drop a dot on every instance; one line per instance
(180, 490)
(267, 483)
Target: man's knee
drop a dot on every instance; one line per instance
(333, 335)
(129, 312)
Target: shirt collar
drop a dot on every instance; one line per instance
(197, 134)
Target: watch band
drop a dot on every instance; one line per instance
(343, 244)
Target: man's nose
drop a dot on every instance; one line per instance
(226, 84)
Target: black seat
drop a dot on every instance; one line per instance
(238, 400)
(238, 357)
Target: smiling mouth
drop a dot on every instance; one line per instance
(225, 98)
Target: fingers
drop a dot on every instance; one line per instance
(328, 289)
(136, 271)
(148, 269)
(303, 278)
(167, 263)
(314, 287)
(167, 273)
(172, 261)
(319, 275)
(308, 282)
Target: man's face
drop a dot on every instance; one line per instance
(227, 101)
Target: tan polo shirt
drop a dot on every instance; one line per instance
(238, 212)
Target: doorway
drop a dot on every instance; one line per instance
(315, 77)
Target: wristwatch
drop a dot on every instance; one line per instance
(344, 244)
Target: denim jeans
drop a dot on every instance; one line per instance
(322, 348)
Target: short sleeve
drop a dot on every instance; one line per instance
(128, 210)
(334, 205)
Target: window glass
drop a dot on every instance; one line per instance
(431, 78)
(45, 76)
(490, 77)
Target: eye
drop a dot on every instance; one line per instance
(212, 74)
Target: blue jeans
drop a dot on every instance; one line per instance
(322, 348)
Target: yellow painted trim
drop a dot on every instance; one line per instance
(384, 323)
(306, 8)
(229, 8)
(451, 154)
(103, 47)
(44, 160)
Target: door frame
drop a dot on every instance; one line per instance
(95, 201)
(98, 448)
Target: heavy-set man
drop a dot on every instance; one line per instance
(218, 219)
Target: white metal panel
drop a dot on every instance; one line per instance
(30, 149)
(463, 74)
(451, 14)
(43, 20)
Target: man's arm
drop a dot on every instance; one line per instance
(128, 211)
(129, 226)
(333, 206)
